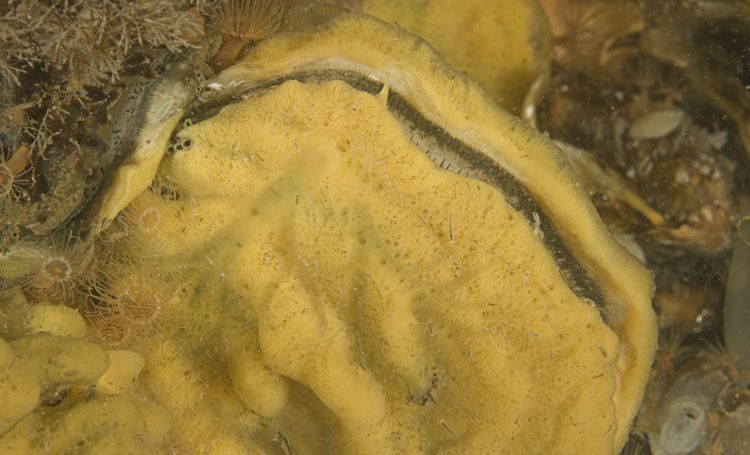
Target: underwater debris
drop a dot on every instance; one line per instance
(643, 123)
(641, 140)
(635, 163)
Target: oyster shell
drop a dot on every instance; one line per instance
(365, 254)
(383, 294)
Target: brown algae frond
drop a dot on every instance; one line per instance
(243, 21)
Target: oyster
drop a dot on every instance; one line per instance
(350, 248)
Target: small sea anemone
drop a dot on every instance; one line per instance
(58, 270)
(129, 308)
(243, 21)
(136, 224)
(134, 233)
(140, 219)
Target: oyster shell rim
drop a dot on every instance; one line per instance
(629, 287)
